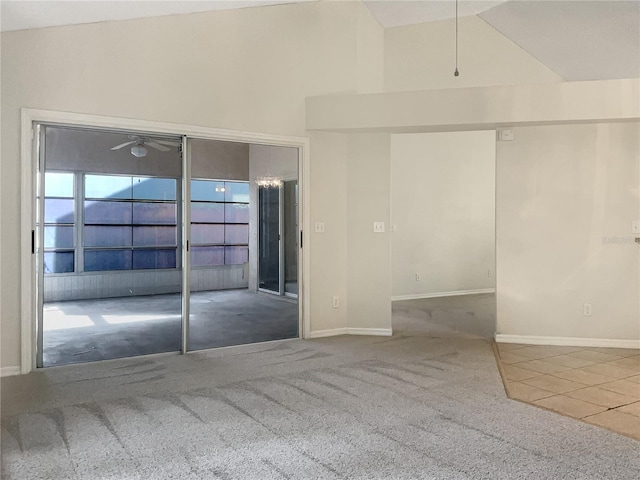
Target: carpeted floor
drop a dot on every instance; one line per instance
(426, 403)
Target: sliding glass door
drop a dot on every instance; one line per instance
(110, 256)
(226, 307)
(141, 251)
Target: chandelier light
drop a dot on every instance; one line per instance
(269, 182)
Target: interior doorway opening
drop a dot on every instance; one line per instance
(278, 230)
(443, 242)
(144, 245)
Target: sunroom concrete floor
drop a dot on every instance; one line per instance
(103, 329)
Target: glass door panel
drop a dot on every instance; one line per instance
(290, 224)
(219, 244)
(111, 273)
(235, 248)
(269, 239)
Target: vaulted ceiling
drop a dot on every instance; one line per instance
(578, 39)
(396, 13)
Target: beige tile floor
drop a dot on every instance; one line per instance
(600, 386)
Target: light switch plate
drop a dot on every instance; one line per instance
(635, 227)
(378, 227)
(318, 227)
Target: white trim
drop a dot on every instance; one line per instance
(568, 341)
(380, 332)
(442, 294)
(28, 301)
(9, 371)
(29, 116)
(327, 333)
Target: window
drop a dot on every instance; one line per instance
(130, 223)
(59, 222)
(219, 223)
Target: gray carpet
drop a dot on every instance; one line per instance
(142, 325)
(426, 403)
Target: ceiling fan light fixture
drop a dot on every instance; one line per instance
(139, 151)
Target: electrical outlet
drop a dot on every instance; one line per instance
(318, 227)
(418, 277)
(336, 301)
(635, 227)
(489, 273)
(587, 309)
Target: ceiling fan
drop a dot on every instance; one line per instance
(139, 144)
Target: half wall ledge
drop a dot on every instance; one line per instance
(478, 108)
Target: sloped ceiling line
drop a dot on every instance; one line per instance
(577, 39)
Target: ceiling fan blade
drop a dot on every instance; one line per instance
(157, 146)
(167, 142)
(122, 145)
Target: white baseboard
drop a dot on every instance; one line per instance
(568, 341)
(327, 333)
(9, 371)
(442, 294)
(379, 332)
(384, 332)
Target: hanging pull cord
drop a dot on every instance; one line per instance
(456, 73)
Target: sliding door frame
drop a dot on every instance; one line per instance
(185, 296)
(283, 247)
(38, 237)
(29, 151)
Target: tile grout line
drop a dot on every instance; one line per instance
(507, 382)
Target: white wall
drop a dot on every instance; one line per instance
(566, 197)
(329, 204)
(477, 108)
(422, 56)
(368, 253)
(246, 69)
(443, 212)
(369, 51)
